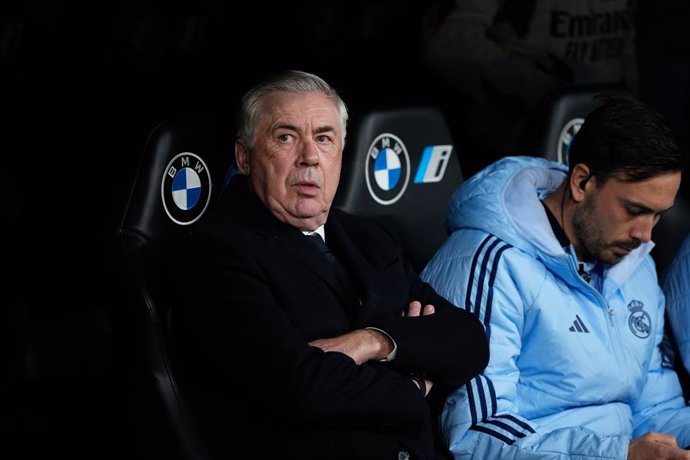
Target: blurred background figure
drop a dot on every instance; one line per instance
(499, 59)
(663, 57)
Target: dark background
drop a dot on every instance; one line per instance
(81, 86)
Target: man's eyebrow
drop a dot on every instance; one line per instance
(324, 129)
(286, 126)
(319, 130)
(642, 208)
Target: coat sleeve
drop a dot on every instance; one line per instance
(448, 347)
(229, 312)
(481, 420)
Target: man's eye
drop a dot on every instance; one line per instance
(285, 137)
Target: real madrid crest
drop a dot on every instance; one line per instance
(639, 321)
(186, 188)
(567, 134)
(387, 169)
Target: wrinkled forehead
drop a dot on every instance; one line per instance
(300, 109)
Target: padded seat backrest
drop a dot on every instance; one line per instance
(400, 165)
(558, 118)
(183, 165)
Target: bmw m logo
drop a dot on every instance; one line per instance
(186, 188)
(387, 169)
(567, 134)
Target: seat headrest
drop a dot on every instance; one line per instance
(183, 167)
(400, 164)
(558, 119)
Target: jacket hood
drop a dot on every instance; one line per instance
(504, 199)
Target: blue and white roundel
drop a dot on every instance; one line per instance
(387, 169)
(186, 188)
(566, 138)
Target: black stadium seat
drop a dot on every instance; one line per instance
(400, 165)
(557, 119)
(182, 168)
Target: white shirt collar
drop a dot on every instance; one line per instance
(320, 231)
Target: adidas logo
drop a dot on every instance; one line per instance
(578, 326)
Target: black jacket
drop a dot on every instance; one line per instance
(252, 292)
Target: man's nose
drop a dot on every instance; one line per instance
(309, 153)
(643, 228)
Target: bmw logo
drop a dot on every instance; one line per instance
(567, 134)
(387, 169)
(186, 188)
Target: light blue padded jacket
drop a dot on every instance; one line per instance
(676, 285)
(576, 369)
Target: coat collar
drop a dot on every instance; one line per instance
(246, 207)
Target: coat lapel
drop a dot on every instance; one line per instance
(292, 243)
(361, 270)
(279, 236)
(295, 245)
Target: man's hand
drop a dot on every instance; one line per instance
(427, 385)
(361, 345)
(364, 345)
(415, 309)
(656, 446)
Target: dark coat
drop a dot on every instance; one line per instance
(252, 292)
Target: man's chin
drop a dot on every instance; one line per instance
(612, 257)
(308, 220)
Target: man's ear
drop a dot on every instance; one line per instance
(579, 178)
(242, 158)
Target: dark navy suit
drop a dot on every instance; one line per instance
(252, 291)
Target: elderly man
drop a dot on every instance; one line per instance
(298, 349)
